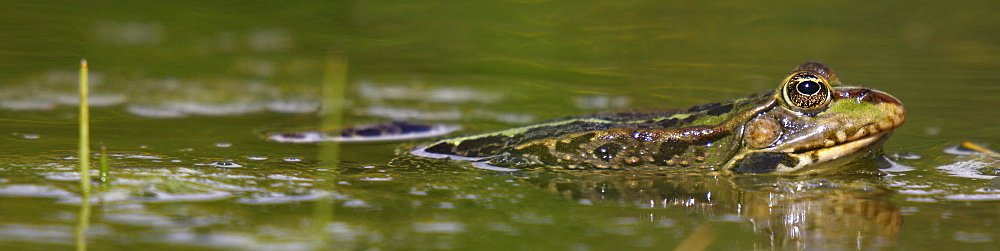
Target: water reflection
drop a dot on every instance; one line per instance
(427, 203)
(802, 213)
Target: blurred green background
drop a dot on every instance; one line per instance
(178, 84)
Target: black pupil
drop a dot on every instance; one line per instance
(808, 87)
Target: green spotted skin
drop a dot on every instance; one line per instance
(615, 140)
(805, 123)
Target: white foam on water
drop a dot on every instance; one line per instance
(33, 191)
(967, 169)
(439, 227)
(973, 197)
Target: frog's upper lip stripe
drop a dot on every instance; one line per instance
(840, 138)
(864, 138)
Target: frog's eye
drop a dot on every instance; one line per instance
(806, 91)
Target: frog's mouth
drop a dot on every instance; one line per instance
(804, 161)
(841, 138)
(828, 158)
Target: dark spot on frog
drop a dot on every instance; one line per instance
(443, 148)
(713, 109)
(764, 162)
(566, 147)
(720, 110)
(669, 122)
(540, 151)
(690, 119)
(582, 139)
(670, 149)
(607, 151)
(574, 144)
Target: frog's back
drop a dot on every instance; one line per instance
(615, 139)
(490, 144)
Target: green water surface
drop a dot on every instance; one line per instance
(184, 92)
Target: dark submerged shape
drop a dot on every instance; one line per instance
(396, 130)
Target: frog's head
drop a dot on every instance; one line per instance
(816, 125)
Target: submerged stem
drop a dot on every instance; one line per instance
(334, 85)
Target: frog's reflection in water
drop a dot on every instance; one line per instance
(845, 211)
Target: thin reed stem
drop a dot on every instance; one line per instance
(83, 217)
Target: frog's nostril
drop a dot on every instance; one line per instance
(864, 95)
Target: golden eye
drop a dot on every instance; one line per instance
(806, 91)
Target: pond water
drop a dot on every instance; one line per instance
(184, 94)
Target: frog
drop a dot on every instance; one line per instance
(811, 123)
